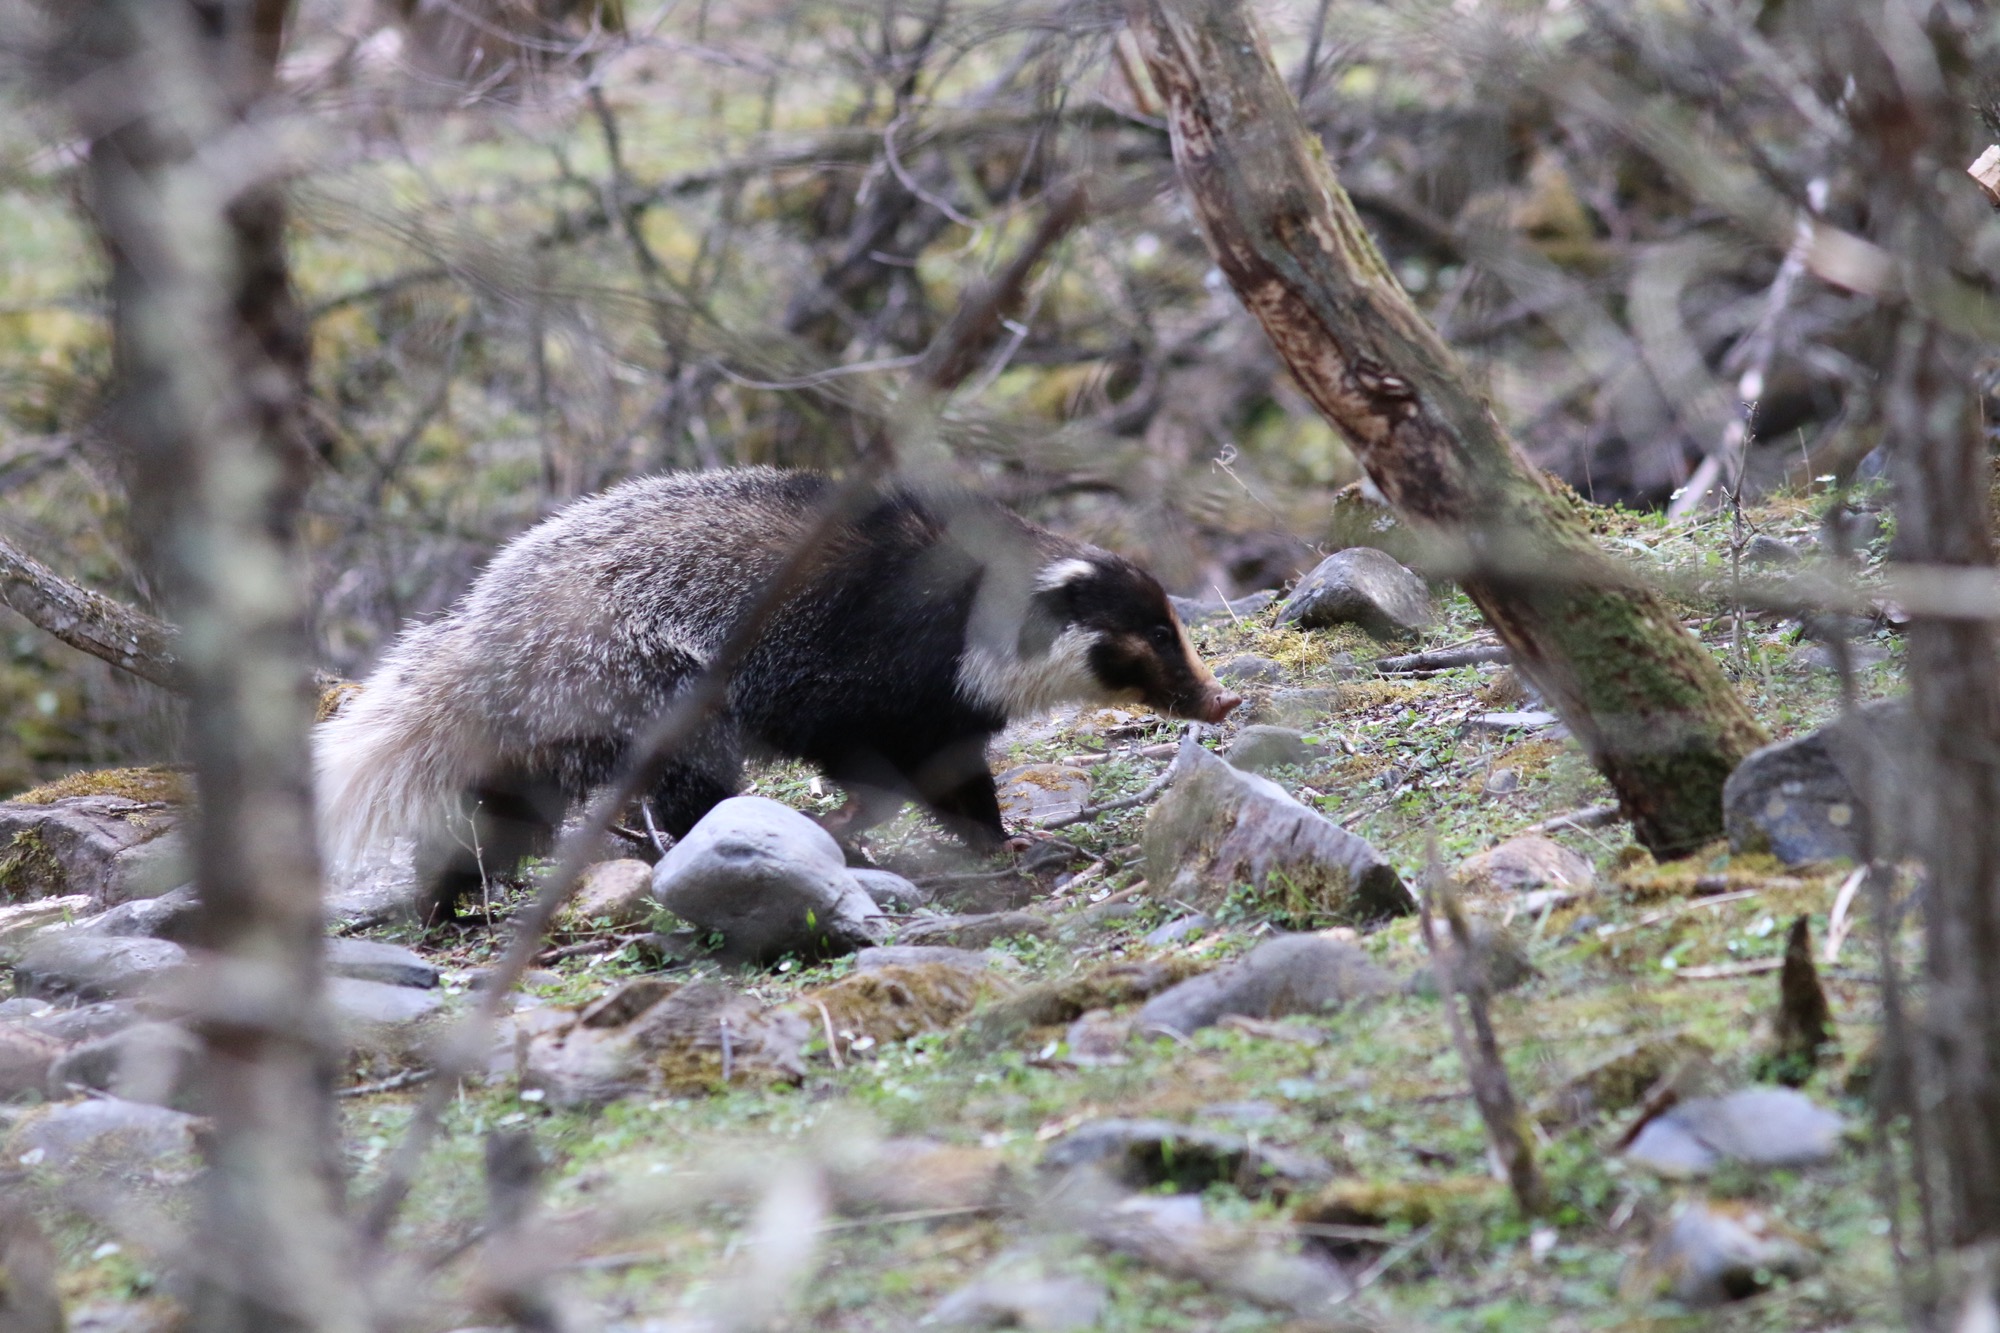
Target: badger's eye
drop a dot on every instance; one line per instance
(1161, 634)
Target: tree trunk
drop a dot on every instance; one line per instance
(1645, 699)
(1943, 478)
(210, 355)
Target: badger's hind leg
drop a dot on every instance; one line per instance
(698, 776)
(506, 817)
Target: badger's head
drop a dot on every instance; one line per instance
(1098, 629)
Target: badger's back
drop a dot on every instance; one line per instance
(571, 639)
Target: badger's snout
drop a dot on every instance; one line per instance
(1218, 705)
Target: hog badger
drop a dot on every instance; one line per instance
(927, 621)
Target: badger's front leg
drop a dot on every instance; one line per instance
(970, 812)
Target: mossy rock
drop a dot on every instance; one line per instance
(1066, 999)
(894, 1003)
(1395, 1204)
(1623, 1081)
(159, 785)
(1712, 870)
(1220, 834)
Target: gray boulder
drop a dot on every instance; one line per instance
(87, 1022)
(1756, 1127)
(155, 1063)
(391, 1021)
(1765, 549)
(769, 881)
(1218, 827)
(107, 847)
(373, 960)
(1525, 863)
(1179, 929)
(1711, 1252)
(1801, 799)
(1259, 747)
(171, 916)
(890, 891)
(1360, 586)
(1249, 669)
(381, 892)
(1023, 1299)
(70, 962)
(619, 893)
(1292, 974)
(654, 1037)
(105, 1136)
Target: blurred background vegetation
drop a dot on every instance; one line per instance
(547, 244)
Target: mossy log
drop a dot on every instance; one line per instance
(1646, 700)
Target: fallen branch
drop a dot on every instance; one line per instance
(1444, 659)
(409, 1078)
(1591, 816)
(1140, 797)
(1754, 967)
(109, 630)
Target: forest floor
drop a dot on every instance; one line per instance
(952, 1125)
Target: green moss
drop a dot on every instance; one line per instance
(161, 785)
(28, 869)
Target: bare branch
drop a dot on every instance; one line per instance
(126, 638)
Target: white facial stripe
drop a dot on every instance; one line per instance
(1020, 686)
(1055, 575)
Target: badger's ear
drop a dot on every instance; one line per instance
(1052, 607)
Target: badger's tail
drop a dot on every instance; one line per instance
(389, 764)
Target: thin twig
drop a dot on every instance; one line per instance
(1458, 976)
(409, 1078)
(1152, 789)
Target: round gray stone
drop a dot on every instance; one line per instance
(769, 881)
(1360, 586)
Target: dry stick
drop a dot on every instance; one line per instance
(1491, 1089)
(1182, 758)
(672, 729)
(107, 629)
(1591, 816)
(1443, 659)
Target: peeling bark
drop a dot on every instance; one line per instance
(1647, 702)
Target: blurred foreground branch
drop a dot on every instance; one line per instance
(211, 357)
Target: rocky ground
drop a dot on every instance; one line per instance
(1183, 1064)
